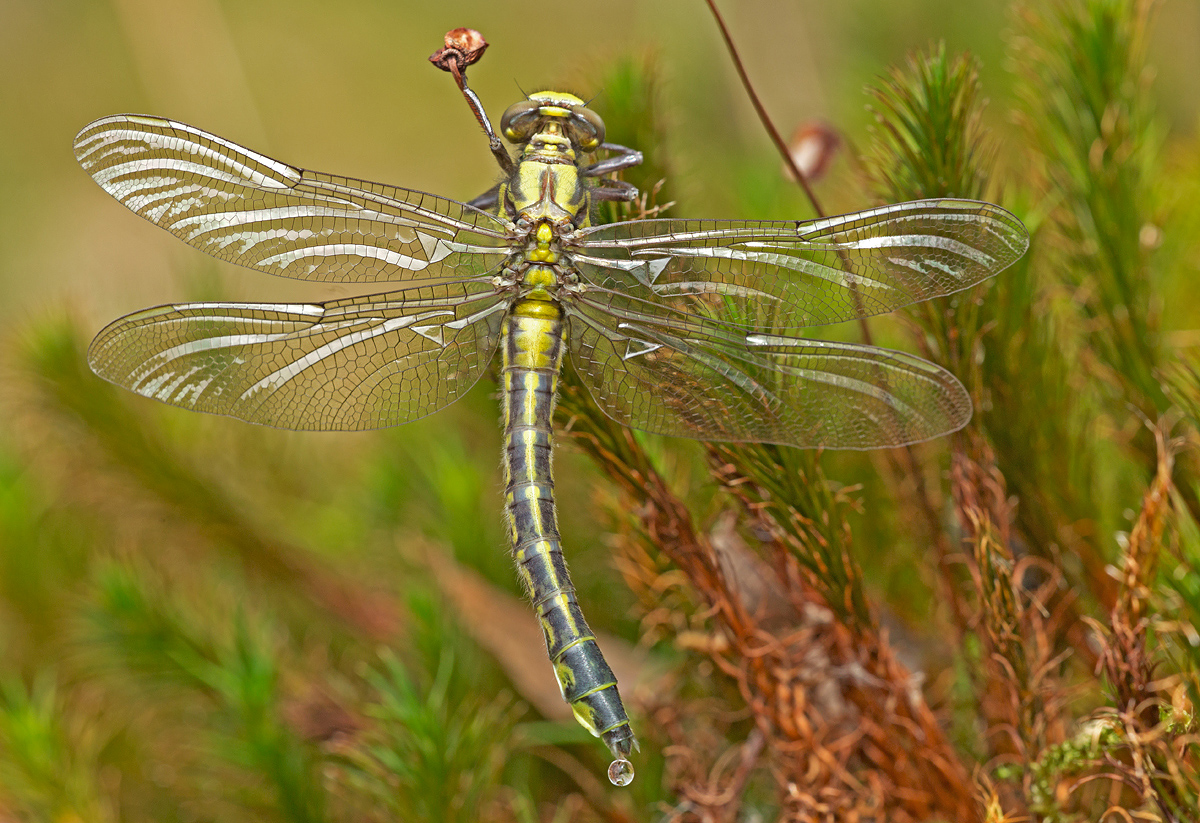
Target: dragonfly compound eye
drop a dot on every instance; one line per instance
(585, 128)
(520, 121)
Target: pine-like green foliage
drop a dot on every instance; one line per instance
(205, 621)
(49, 770)
(425, 755)
(228, 670)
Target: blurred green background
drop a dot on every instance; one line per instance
(131, 533)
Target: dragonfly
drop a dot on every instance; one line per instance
(679, 327)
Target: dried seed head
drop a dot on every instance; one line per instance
(463, 47)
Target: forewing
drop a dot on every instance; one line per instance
(347, 365)
(246, 208)
(687, 377)
(777, 276)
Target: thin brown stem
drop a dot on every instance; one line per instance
(782, 148)
(462, 48)
(763, 117)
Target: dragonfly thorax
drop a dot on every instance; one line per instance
(556, 130)
(546, 191)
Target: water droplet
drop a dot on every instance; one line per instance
(620, 772)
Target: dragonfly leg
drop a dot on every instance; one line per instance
(614, 191)
(623, 158)
(488, 200)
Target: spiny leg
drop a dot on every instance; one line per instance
(623, 158)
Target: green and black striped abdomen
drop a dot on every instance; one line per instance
(533, 351)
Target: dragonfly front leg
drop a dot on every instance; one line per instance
(532, 359)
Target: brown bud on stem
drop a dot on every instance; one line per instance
(813, 147)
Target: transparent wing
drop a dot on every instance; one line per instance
(246, 208)
(354, 364)
(776, 276)
(669, 373)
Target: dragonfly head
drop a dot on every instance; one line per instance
(564, 115)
